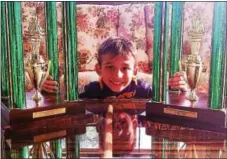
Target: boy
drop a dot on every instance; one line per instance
(116, 68)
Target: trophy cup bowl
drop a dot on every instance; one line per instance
(38, 71)
(193, 64)
(193, 68)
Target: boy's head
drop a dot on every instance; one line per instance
(124, 131)
(116, 63)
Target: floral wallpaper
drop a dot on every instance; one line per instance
(94, 24)
(132, 27)
(134, 21)
(149, 24)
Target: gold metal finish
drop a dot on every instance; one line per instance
(192, 68)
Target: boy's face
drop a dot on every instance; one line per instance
(116, 71)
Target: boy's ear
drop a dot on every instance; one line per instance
(98, 69)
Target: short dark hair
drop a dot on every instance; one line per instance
(115, 46)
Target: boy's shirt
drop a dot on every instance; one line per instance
(139, 90)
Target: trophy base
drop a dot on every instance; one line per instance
(179, 111)
(46, 129)
(186, 116)
(37, 96)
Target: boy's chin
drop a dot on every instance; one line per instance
(118, 90)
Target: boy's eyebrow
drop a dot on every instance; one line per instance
(110, 63)
(107, 63)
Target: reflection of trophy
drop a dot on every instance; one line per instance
(37, 69)
(193, 65)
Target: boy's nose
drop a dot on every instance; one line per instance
(118, 73)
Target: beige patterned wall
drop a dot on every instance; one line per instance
(134, 21)
(94, 24)
(132, 25)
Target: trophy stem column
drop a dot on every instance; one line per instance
(16, 60)
(217, 56)
(157, 50)
(52, 38)
(52, 50)
(70, 51)
(165, 52)
(71, 70)
(5, 78)
(176, 37)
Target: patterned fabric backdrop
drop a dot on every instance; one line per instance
(134, 21)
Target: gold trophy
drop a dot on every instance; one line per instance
(37, 69)
(193, 65)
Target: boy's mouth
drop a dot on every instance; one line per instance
(116, 82)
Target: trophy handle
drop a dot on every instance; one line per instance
(29, 75)
(182, 72)
(45, 75)
(27, 78)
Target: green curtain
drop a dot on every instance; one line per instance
(165, 52)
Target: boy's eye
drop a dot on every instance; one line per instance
(126, 68)
(109, 67)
